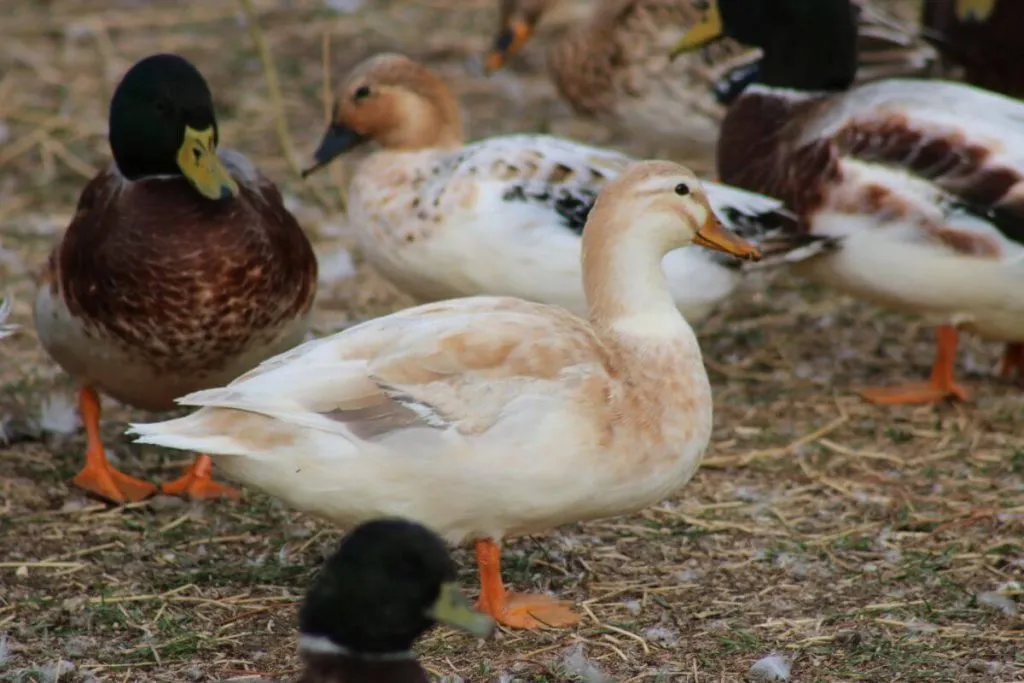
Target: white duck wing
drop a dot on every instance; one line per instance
(458, 365)
(943, 160)
(572, 175)
(965, 140)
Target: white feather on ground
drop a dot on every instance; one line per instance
(58, 414)
(575, 663)
(6, 329)
(769, 669)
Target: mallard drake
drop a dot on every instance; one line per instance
(982, 36)
(919, 182)
(486, 417)
(389, 581)
(6, 328)
(502, 216)
(180, 270)
(614, 67)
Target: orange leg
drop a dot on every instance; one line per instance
(99, 476)
(197, 483)
(515, 610)
(939, 387)
(1013, 361)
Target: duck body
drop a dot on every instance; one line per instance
(155, 291)
(920, 184)
(615, 67)
(504, 216)
(486, 417)
(181, 268)
(539, 382)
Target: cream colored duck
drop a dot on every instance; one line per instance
(503, 216)
(614, 67)
(919, 183)
(486, 417)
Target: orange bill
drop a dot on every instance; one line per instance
(508, 43)
(714, 235)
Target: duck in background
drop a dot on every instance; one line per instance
(614, 68)
(982, 36)
(920, 184)
(503, 216)
(488, 417)
(389, 581)
(180, 270)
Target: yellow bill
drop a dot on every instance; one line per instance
(707, 30)
(976, 10)
(714, 235)
(198, 160)
(453, 609)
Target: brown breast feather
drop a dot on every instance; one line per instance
(183, 281)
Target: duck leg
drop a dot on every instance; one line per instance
(99, 476)
(197, 483)
(515, 610)
(1013, 361)
(940, 385)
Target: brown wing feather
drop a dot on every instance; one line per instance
(808, 174)
(758, 152)
(951, 161)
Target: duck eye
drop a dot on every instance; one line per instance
(682, 189)
(163, 106)
(362, 92)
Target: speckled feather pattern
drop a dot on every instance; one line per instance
(188, 288)
(503, 216)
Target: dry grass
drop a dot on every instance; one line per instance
(861, 543)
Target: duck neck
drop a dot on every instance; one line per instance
(816, 50)
(426, 123)
(350, 667)
(626, 289)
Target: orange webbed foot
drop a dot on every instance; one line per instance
(527, 610)
(915, 393)
(98, 476)
(104, 481)
(197, 483)
(515, 610)
(939, 387)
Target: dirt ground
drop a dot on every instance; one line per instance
(858, 543)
